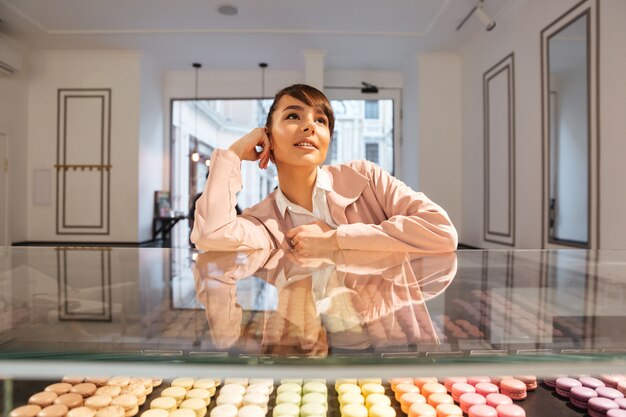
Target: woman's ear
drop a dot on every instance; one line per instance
(269, 136)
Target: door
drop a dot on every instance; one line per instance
(4, 190)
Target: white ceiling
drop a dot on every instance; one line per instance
(357, 34)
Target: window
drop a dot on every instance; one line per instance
(371, 152)
(371, 109)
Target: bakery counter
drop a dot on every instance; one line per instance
(146, 312)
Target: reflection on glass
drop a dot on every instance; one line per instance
(336, 301)
(569, 134)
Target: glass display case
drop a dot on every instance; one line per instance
(274, 314)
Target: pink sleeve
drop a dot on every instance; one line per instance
(414, 223)
(217, 226)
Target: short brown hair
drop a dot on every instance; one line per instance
(310, 96)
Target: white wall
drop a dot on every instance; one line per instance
(13, 110)
(439, 131)
(612, 124)
(117, 70)
(151, 170)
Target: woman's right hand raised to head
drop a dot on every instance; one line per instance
(245, 147)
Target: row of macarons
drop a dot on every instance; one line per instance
(476, 396)
(363, 397)
(600, 397)
(88, 397)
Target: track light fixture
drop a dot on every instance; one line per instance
(479, 11)
(368, 88)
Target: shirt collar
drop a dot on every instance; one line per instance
(322, 182)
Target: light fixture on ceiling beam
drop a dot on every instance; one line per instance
(479, 11)
(263, 66)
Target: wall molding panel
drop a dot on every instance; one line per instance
(83, 162)
(499, 152)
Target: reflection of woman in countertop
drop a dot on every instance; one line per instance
(351, 206)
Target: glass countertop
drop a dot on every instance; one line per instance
(493, 310)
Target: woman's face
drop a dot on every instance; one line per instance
(299, 134)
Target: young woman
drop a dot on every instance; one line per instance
(351, 206)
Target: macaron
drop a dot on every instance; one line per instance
(86, 389)
(351, 398)
(432, 388)
(395, 381)
(529, 380)
(315, 397)
(469, 399)
(293, 381)
(482, 410)
(205, 383)
(363, 381)
(591, 382)
(129, 403)
(283, 410)
(155, 413)
(418, 382)
(59, 388)
(111, 411)
(402, 389)
(610, 393)
(374, 399)
(184, 382)
(550, 381)
(348, 387)
(410, 398)
(495, 400)
(354, 410)
(119, 381)
(233, 389)
(109, 390)
(260, 389)
(288, 397)
(341, 381)
(473, 380)
(599, 406)
(372, 388)
(72, 379)
(199, 393)
(230, 398)
(621, 402)
(163, 403)
(510, 410)
(268, 382)
(422, 410)
(197, 405)
(439, 398)
(30, 410)
(461, 388)
(448, 410)
(616, 413)
(43, 399)
(611, 380)
(287, 387)
(71, 400)
(312, 409)
(621, 386)
(314, 386)
(381, 410)
(225, 410)
(255, 398)
(448, 382)
(54, 410)
(579, 396)
(513, 388)
(239, 381)
(486, 388)
(182, 412)
(496, 379)
(98, 401)
(81, 412)
(250, 411)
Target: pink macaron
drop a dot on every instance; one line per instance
(461, 388)
(486, 388)
(510, 410)
(473, 380)
(495, 400)
(564, 385)
(470, 399)
(451, 380)
(513, 388)
(482, 410)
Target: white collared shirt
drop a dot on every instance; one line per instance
(321, 211)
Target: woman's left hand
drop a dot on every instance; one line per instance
(317, 235)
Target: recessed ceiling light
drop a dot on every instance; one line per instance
(228, 10)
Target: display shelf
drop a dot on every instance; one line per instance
(283, 314)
